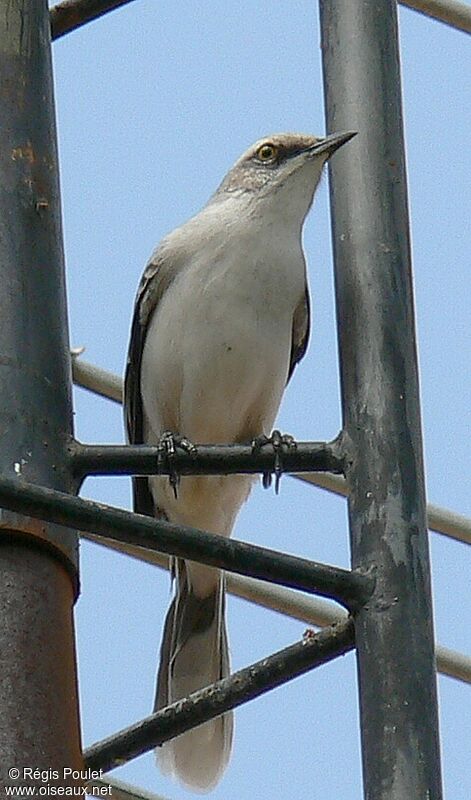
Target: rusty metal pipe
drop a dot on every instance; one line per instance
(38, 562)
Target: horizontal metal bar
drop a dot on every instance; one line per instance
(310, 610)
(107, 384)
(451, 12)
(210, 459)
(72, 14)
(242, 686)
(349, 588)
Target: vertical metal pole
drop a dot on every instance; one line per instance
(38, 568)
(382, 429)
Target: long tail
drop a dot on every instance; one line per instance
(194, 654)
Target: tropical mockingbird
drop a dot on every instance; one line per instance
(220, 322)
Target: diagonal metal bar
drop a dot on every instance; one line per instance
(72, 14)
(242, 686)
(309, 609)
(451, 12)
(349, 588)
(96, 379)
(210, 459)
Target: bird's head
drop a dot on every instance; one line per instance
(284, 168)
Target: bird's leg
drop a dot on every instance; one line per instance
(167, 447)
(277, 441)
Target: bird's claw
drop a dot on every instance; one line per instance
(167, 447)
(277, 441)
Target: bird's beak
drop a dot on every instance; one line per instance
(331, 143)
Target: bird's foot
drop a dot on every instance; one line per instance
(168, 444)
(278, 442)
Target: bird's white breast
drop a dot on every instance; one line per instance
(216, 356)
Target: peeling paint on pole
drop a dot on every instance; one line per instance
(381, 411)
(38, 563)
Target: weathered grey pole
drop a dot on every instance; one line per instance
(382, 429)
(38, 571)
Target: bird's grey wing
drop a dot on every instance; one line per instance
(300, 331)
(157, 276)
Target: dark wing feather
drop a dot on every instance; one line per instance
(300, 331)
(155, 280)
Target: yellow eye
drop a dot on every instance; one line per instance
(267, 152)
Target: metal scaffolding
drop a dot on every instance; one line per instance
(386, 599)
(309, 610)
(380, 402)
(38, 563)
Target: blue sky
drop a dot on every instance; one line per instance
(154, 103)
